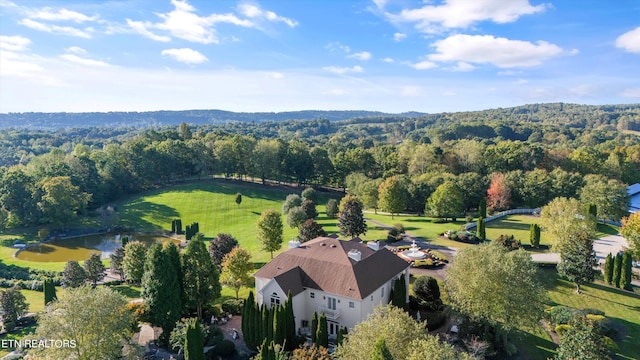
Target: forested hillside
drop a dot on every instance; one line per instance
(531, 153)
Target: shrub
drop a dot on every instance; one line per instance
(214, 336)
(140, 311)
(225, 348)
(562, 314)
(561, 329)
(395, 233)
(435, 319)
(233, 306)
(427, 292)
(509, 242)
(310, 194)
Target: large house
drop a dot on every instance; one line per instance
(345, 280)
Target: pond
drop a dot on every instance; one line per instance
(80, 248)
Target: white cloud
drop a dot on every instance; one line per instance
(363, 56)
(55, 29)
(501, 52)
(343, 70)
(254, 12)
(276, 75)
(141, 28)
(631, 93)
(630, 41)
(520, 81)
(75, 50)
(183, 23)
(186, 55)
(464, 13)
(462, 66)
(388, 60)
(399, 37)
(14, 43)
(509, 73)
(61, 15)
(14, 64)
(337, 46)
(583, 90)
(83, 61)
(424, 65)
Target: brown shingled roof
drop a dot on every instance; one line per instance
(324, 265)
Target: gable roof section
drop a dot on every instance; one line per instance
(634, 197)
(323, 264)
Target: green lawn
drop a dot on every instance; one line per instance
(617, 304)
(516, 225)
(423, 227)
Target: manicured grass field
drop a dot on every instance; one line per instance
(516, 225)
(212, 205)
(623, 306)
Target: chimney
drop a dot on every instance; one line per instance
(373, 245)
(294, 244)
(355, 254)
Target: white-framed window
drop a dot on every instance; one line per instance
(331, 303)
(275, 299)
(312, 295)
(352, 304)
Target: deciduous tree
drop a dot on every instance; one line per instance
(221, 246)
(310, 230)
(12, 305)
(94, 269)
(236, 269)
(270, 231)
(393, 324)
(582, 341)
(610, 196)
(73, 275)
(392, 195)
(507, 294)
(332, 208)
(96, 320)
(445, 202)
(296, 217)
(562, 218)
(631, 231)
(499, 193)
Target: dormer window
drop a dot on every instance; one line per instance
(275, 299)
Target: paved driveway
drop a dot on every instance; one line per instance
(609, 244)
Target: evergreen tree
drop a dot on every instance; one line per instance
(482, 231)
(201, 278)
(399, 296)
(314, 327)
(266, 323)
(159, 284)
(380, 351)
(194, 342)
(617, 270)
(534, 235)
(238, 199)
(341, 334)
(271, 314)
(73, 275)
(482, 208)
(626, 269)
(351, 218)
(125, 241)
(592, 212)
(247, 317)
(608, 269)
(94, 269)
(174, 256)
(322, 337)
(117, 262)
(578, 260)
(49, 291)
(134, 258)
(279, 323)
(290, 326)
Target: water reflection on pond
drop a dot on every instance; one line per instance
(81, 248)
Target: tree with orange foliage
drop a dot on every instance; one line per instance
(499, 193)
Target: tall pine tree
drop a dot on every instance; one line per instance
(617, 270)
(626, 269)
(608, 269)
(201, 278)
(322, 337)
(399, 296)
(314, 327)
(194, 342)
(578, 260)
(482, 231)
(49, 291)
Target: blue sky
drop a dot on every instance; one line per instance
(285, 55)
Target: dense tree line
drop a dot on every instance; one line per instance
(545, 151)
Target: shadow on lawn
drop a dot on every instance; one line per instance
(131, 214)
